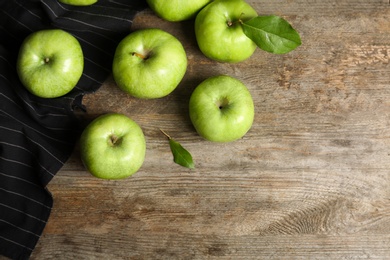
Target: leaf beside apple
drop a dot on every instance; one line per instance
(230, 31)
(272, 34)
(180, 155)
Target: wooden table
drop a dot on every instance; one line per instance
(310, 180)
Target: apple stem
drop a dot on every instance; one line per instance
(231, 23)
(114, 139)
(139, 55)
(167, 135)
(46, 60)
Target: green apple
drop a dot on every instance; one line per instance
(50, 63)
(149, 63)
(112, 146)
(219, 32)
(221, 109)
(177, 10)
(78, 2)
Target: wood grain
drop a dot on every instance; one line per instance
(310, 180)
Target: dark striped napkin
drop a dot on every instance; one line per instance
(37, 135)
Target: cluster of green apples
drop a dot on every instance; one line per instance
(219, 33)
(148, 64)
(221, 107)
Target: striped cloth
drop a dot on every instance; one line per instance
(37, 135)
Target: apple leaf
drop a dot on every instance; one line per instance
(272, 34)
(180, 155)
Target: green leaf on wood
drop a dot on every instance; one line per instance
(180, 155)
(272, 34)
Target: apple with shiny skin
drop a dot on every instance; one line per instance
(219, 33)
(149, 63)
(221, 109)
(177, 10)
(112, 146)
(50, 63)
(78, 2)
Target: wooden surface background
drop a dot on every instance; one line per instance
(310, 180)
